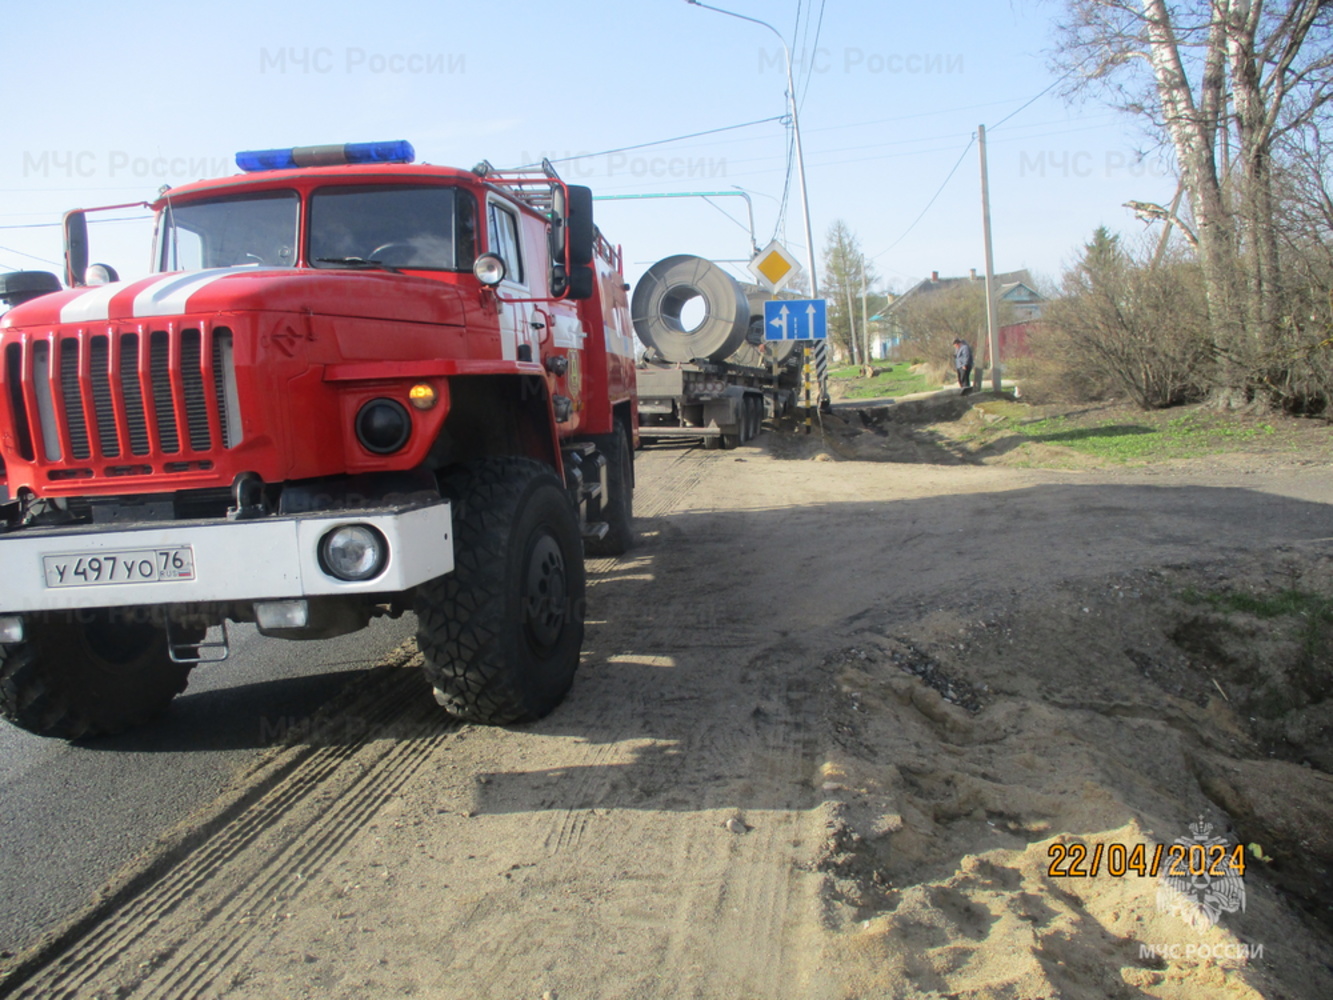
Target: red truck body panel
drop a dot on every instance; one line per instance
(185, 380)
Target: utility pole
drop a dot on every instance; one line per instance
(992, 322)
(854, 342)
(820, 348)
(865, 324)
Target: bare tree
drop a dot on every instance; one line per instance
(847, 273)
(1207, 76)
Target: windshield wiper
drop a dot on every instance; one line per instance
(359, 262)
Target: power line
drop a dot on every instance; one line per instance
(1042, 135)
(1055, 83)
(829, 128)
(780, 222)
(733, 218)
(91, 222)
(1028, 104)
(786, 187)
(949, 177)
(31, 256)
(933, 113)
(814, 52)
(659, 142)
(796, 27)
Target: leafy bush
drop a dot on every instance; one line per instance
(1124, 325)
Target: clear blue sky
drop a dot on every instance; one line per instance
(109, 102)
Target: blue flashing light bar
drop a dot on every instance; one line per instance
(393, 151)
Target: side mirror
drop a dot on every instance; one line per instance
(76, 247)
(582, 232)
(556, 234)
(582, 280)
(571, 223)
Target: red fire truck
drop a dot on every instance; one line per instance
(353, 386)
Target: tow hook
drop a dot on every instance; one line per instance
(247, 497)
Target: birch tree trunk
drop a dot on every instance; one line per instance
(1192, 128)
(1261, 67)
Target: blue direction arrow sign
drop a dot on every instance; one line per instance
(796, 319)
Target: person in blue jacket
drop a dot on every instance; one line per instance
(962, 363)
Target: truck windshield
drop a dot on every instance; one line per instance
(254, 228)
(426, 227)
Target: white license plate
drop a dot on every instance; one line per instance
(86, 569)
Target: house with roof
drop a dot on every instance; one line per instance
(1021, 307)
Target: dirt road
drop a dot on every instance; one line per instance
(832, 717)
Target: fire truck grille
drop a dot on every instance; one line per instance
(127, 394)
(99, 362)
(69, 386)
(196, 401)
(159, 368)
(136, 419)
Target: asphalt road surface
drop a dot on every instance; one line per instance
(73, 814)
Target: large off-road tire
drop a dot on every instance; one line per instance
(501, 634)
(94, 675)
(618, 511)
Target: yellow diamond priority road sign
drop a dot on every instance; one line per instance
(774, 266)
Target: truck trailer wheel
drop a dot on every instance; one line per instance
(91, 677)
(619, 508)
(501, 634)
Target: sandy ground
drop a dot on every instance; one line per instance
(836, 722)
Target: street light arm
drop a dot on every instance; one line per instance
(820, 355)
(749, 205)
(786, 50)
(752, 20)
(796, 135)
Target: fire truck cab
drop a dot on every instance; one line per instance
(352, 386)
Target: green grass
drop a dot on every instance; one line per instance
(1312, 613)
(896, 381)
(1001, 407)
(1296, 603)
(1187, 436)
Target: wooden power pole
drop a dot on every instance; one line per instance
(992, 321)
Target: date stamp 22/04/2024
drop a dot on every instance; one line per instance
(1178, 860)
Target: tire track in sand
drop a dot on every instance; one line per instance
(663, 481)
(736, 912)
(178, 936)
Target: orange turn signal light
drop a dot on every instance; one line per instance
(422, 396)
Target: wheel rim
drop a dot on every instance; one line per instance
(545, 593)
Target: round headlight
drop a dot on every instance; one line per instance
(353, 552)
(383, 426)
(489, 269)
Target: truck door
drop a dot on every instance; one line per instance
(505, 241)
